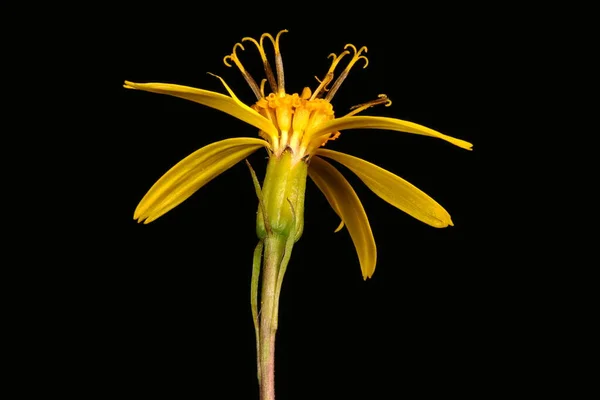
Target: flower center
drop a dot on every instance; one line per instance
(295, 115)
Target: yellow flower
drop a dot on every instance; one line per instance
(298, 124)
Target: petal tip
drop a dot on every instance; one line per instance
(442, 224)
(129, 85)
(138, 213)
(464, 144)
(368, 271)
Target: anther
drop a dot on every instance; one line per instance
(382, 99)
(278, 60)
(329, 76)
(233, 57)
(266, 64)
(357, 56)
(322, 85)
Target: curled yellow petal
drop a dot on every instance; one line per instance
(347, 205)
(191, 173)
(230, 105)
(365, 122)
(393, 189)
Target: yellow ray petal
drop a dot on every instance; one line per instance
(394, 189)
(333, 202)
(191, 173)
(365, 122)
(230, 105)
(347, 205)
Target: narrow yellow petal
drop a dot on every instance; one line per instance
(191, 173)
(394, 190)
(230, 105)
(333, 202)
(347, 205)
(365, 122)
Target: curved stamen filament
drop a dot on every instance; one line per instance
(278, 60)
(382, 99)
(233, 57)
(357, 56)
(329, 76)
(267, 65)
(322, 85)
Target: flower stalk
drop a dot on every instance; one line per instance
(274, 250)
(279, 224)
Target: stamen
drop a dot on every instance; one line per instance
(382, 98)
(278, 61)
(279, 64)
(322, 85)
(309, 142)
(357, 56)
(267, 65)
(262, 87)
(251, 82)
(262, 107)
(320, 81)
(329, 76)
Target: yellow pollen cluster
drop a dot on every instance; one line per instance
(295, 117)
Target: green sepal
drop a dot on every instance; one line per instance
(285, 180)
(261, 203)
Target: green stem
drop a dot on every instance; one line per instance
(254, 299)
(274, 251)
(279, 224)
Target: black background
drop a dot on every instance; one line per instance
(170, 313)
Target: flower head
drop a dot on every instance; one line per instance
(297, 125)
